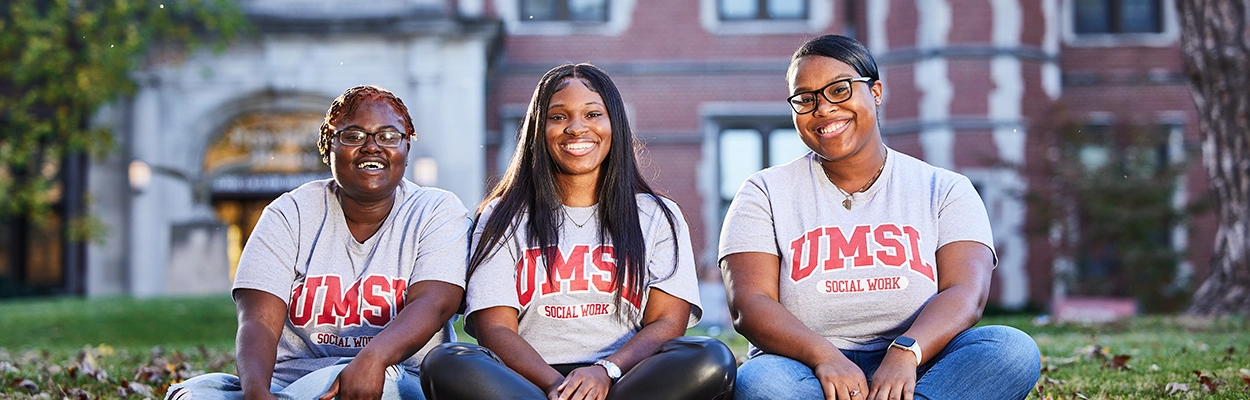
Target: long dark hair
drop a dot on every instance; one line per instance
(841, 48)
(528, 187)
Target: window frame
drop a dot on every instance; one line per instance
(619, 16)
(761, 12)
(1115, 20)
(819, 16)
(1169, 34)
(715, 126)
(564, 13)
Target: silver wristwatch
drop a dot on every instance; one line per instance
(614, 371)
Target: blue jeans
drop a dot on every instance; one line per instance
(989, 362)
(220, 386)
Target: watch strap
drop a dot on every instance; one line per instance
(914, 348)
(614, 372)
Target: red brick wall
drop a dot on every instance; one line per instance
(1133, 82)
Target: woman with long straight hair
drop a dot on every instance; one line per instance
(582, 277)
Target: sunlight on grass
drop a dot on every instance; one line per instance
(120, 347)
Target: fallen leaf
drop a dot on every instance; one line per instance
(1173, 388)
(140, 389)
(1211, 384)
(1119, 361)
(77, 394)
(24, 384)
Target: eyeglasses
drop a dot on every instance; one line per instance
(357, 137)
(836, 92)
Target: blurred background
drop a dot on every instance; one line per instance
(168, 126)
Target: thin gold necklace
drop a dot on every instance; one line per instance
(847, 202)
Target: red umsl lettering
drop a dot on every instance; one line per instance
(603, 258)
(916, 263)
(892, 252)
(526, 276)
(400, 288)
(339, 303)
(303, 297)
(571, 270)
(376, 308)
(842, 247)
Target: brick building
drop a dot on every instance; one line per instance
(968, 83)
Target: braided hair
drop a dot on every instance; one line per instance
(346, 104)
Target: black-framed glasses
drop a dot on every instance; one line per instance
(357, 137)
(836, 92)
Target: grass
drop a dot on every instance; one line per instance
(121, 347)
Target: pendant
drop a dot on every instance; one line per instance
(846, 203)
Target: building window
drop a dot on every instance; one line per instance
(745, 149)
(564, 10)
(745, 10)
(1118, 16)
(766, 17)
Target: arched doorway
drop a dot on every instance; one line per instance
(254, 159)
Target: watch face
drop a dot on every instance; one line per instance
(905, 341)
(614, 372)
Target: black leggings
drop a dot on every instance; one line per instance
(688, 367)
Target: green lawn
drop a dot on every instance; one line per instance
(120, 347)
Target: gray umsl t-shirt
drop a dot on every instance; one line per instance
(857, 277)
(573, 318)
(340, 293)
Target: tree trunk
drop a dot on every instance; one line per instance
(1214, 35)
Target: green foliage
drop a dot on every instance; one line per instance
(1105, 201)
(63, 60)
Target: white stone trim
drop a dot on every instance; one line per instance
(933, 83)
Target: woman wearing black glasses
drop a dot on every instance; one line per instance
(857, 272)
(345, 283)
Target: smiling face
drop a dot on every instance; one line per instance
(369, 172)
(835, 131)
(578, 130)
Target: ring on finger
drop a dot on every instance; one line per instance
(854, 392)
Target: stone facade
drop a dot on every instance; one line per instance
(160, 190)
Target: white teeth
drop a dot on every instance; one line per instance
(579, 146)
(834, 127)
(371, 165)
